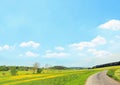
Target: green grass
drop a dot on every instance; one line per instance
(50, 77)
(117, 74)
(74, 78)
(111, 72)
(81, 79)
(114, 73)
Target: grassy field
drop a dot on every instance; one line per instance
(49, 77)
(54, 77)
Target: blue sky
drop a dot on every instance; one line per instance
(59, 32)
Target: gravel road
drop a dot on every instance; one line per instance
(101, 79)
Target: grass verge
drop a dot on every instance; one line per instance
(114, 73)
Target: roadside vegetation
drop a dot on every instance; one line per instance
(114, 73)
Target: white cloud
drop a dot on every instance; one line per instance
(59, 48)
(114, 43)
(99, 53)
(98, 41)
(56, 55)
(93, 43)
(6, 47)
(30, 44)
(111, 25)
(31, 54)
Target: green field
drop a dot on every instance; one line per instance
(49, 77)
(52, 77)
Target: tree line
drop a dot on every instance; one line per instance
(14, 69)
(35, 68)
(107, 64)
(20, 68)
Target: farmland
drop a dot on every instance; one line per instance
(52, 77)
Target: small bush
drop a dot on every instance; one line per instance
(3, 74)
(39, 70)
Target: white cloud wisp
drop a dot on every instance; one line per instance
(111, 25)
(93, 43)
(30, 44)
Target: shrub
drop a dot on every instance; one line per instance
(3, 74)
(39, 70)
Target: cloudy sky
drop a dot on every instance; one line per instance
(59, 32)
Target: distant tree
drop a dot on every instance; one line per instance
(35, 67)
(27, 68)
(13, 71)
(46, 66)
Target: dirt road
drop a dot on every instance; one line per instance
(101, 79)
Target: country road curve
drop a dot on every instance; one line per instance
(101, 79)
